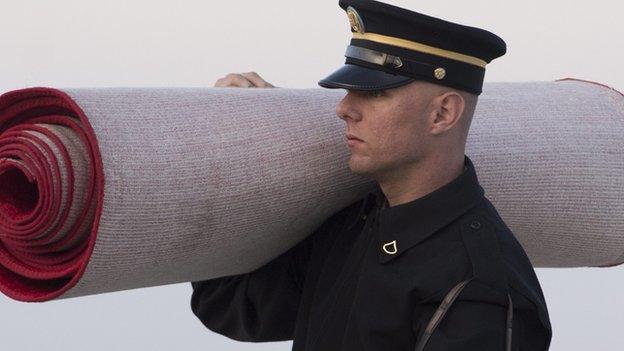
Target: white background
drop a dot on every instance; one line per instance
(291, 44)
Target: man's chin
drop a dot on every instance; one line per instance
(360, 168)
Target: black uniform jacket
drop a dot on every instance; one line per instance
(371, 276)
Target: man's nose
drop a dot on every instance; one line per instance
(347, 108)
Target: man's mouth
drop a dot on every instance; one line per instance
(353, 137)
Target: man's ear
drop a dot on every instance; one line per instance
(448, 109)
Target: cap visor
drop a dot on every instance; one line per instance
(356, 77)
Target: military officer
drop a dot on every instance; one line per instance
(424, 261)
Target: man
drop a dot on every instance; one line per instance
(424, 261)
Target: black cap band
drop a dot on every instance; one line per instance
(462, 76)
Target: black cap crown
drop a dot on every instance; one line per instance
(392, 46)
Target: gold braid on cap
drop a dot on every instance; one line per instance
(416, 46)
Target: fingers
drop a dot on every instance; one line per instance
(233, 80)
(257, 80)
(243, 80)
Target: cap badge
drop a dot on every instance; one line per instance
(357, 25)
(439, 73)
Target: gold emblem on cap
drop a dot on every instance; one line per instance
(439, 73)
(391, 244)
(357, 25)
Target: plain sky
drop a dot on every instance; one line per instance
(157, 43)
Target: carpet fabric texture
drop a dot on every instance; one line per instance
(109, 189)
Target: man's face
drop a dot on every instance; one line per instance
(392, 125)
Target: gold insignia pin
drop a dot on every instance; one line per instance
(357, 25)
(439, 73)
(391, 245)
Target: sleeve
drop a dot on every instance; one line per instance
(480, 326)
(260, 305)
(466, 326)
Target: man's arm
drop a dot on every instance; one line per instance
(262, 305)
(258, 306)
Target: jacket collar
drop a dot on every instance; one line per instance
(403, 226)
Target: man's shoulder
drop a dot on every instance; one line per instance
(502, 267)
(485, 217)
(496, 254)
(514, 268)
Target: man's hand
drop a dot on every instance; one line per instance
(243, 80)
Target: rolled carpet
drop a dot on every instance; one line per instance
(108, 189)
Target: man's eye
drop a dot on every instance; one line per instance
(375, 93)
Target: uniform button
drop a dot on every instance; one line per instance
(475, 225)
(363, 216)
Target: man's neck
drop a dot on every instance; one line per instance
(419, 180)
